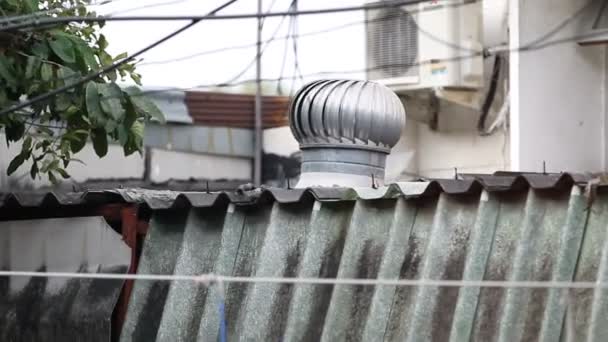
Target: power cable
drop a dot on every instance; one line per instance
(38, 14)
(65, 20)
(137, 8)
(489, 51)
(296, 62)
(253, 61)
(209, 278)
(109, 68)
(285, 48)
(309, 34)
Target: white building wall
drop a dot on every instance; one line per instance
(457, 144)
(165, 165)
(180, 165)
(558, 98)
(113, 165)
(280, 141)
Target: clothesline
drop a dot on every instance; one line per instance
(214, 278)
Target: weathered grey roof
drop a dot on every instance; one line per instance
(500, 227)
(160, 199)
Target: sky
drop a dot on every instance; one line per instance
(339, 50)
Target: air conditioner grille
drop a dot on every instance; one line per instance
(392, 44)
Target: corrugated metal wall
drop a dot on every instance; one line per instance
(235, 110)
(59, 309)
(510, 231)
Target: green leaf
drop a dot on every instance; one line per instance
(71, 110)
(14, 130)
(123, 135)
(136, 78)
(33, 63)
(93, 107)
(78, 143)
(41, 50)
(3, 97)
(34, 169)
(120, 56)
(63, 173)
(100, 142)
(65, 146)
(62, 102)
(50, 166)
(130, 116)
(87, 55)
(112, 75)
(31, 6)
(110, 125)
(27, 145)
(6, 71)
(143, 105)
(137, 131)
(78, 161)
(13, 3)
(110, 101)
(102, 42)
(63, 48)
(136, 139)
(105, 58)
(15, 163)
(67, 75)
(52, 177)
(46, 72)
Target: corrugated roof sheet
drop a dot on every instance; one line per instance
(500, 227)
(160, 199)
(235, 110)
(58, 309)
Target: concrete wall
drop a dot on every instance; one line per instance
(180, 165)
(165, 165)
(558, 92)
(457, 144)
(113, 165)
(280, 141)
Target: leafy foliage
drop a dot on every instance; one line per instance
(37, 60)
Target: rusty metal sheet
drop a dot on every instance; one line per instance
(235, 110)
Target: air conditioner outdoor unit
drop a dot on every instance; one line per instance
(430, 45)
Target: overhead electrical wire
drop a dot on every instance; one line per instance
(296, 62)
(489, 51)
(42, 13)
(222, 84)
(253, 61)
(194, 21)
(285, 48)
(233, 81)
(494, 50)
(109, 68)
(153, 5)
(66, 20)
(308, 34)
